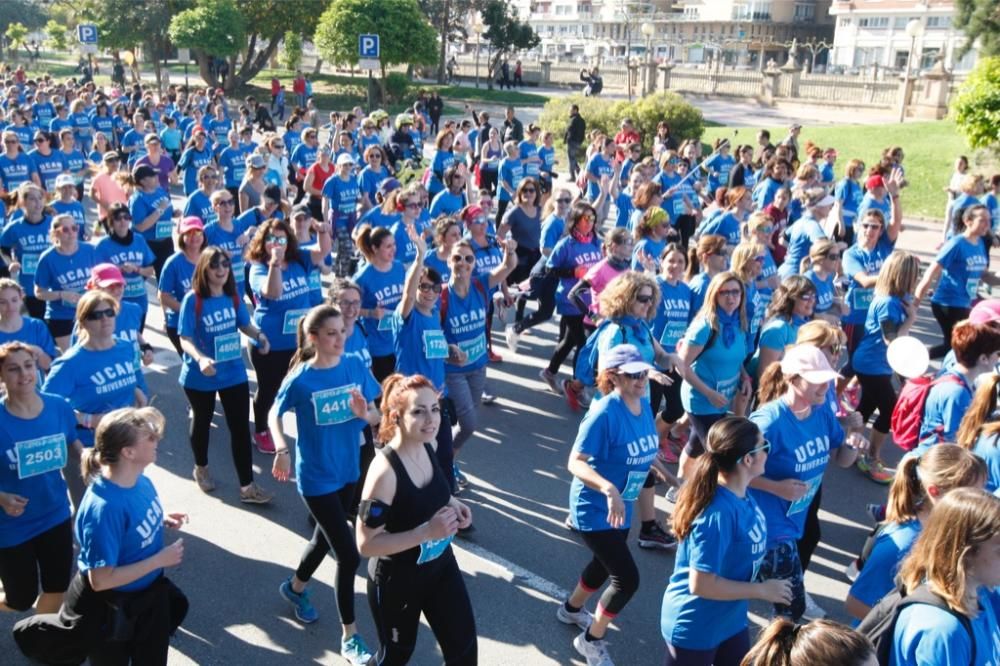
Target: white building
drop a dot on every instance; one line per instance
(873, 32)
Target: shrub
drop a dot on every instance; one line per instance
(686, 121)
(977, 107)
(396, 86)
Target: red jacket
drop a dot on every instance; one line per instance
(299, 86)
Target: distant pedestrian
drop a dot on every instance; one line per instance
(574, 137)
(518, 74)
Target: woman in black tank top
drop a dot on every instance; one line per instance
(408, 518)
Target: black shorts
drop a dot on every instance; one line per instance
(47, 556)
(59, 328)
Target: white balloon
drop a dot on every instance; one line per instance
(908, 356)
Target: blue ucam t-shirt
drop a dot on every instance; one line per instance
(34, 452)
(962, 264)
(219, 237)
(232, 161)
(216, 335)
(801, 236)
(699, 286)
(800, 449)
(859, 260)
(651, 247)
(511, 173)
(849, 194)
(369, 179)
(928, 635)
(191, 161)
(728, 539)
(329, 434)
(27, 241)
(718, 366)
(111, 250)
(946, 404)
(597, 167)
(439, 265)
(61, 272)
(116, 526)
(48, 167)
(175, 279)
(200, 206)
(278, 319)
(142, 204)
(552, 231)
(673, 314)
(420, 345)
(443, 159)
(96, 382)
(33, 332)
(15, 171)
(877, 578)
(356, 345)
(446, 203)
(726, 225)
(872, 351)
(528, 150)
(465, 324)
(385, 289)
(621, 447)
(988, 448)
(342, 195)
(868, 202)
(825, 290)
(573, 255)
(406, 251)
(719, 167)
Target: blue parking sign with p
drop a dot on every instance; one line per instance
(87, 33)
(368, 46)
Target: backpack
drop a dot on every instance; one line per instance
(908, 414)
(879, 626)
(585, 369)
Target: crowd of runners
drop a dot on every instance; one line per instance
(731, 321)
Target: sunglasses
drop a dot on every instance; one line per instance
(98, 315)
(836, 350)
(766, 447)
(528, 190)
(413, 205)
(833, 256)
(39, 139)
(564, 201)
(636, 376)
(436, 288)
(478, 220)
(219, 262)
(807, 297)
(644, 299)
(277, 240)
(467, 258)
(871, 226)
(125, 218)
(226, 202)
(731, 293)
(69, 228)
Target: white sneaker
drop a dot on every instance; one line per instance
(813, 610)
(512, 337)
(551, 380)
(595, 652)
(582, 618)
(488, 398)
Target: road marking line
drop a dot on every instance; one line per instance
(516, 572)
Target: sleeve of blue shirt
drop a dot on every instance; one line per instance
(186, 324)
(852, 264)
(100, 535)
(947, 254)
(289, 396)
(592, 437)
(698, 333)
(875, 580)
(707, 543)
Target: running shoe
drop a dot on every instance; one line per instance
(813, 610)
(582, 618)
(355, 650)
(550, 379)
(512, 337)
(254, 494)
(876, 511)
(495, 358)
(203, 479)
(657, 537)
(595, 652)
(304, 610)
(488, 398)
(572, 395)
(667, 454)
(460, 479)
(874, 470)
(852, 397)
(263, 442)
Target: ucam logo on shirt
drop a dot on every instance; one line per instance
(114, 377)
(219, 320)
(642, 451)
(151, 523)
(466, 321)
(814, 453)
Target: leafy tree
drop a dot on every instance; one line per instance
(267, 21)
(979, 20)
(977, 107)
(30, 14)
(212, 28)
(505, 33)
(406, 36)
(293, 50)
(448, 17)
(57, 35)
(16, 34)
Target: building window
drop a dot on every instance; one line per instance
(927, 57)
(865, 57)
(845, 21)
(899, 23)
(804, 12)
(938, 22)
(874, 22)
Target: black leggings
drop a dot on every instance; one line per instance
(700, 425)
(670, 395)
(685, 226)
(811, 532)
(613, 559)
(162, 249)
(175, 339)
(236, 407)
(271, 368)
(333, 530)
(572, 335)
(544, 290)
(729, 652)
(34, 306)
(45, 558)
(947, 316)
(383, 366)
(877, 393)
(397, 595)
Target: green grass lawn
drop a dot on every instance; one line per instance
(930, 149)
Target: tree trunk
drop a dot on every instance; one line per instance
(318, 66)
(254, 62)
(444, 41)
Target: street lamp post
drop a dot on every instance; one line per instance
(477, 28)
(647, 29)
(914, 29)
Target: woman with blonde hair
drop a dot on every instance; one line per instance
(892, 313)
(848, 193)
(821, 269)
(650, 234)
(979, 431)
(748, 262)
(957, 557)
(819, 643)
(919, 484)
(705, 260)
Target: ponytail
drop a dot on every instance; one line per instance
(696, 494)
(774, 646)
(90, 464)
(693, 267)
(818, 643)
(943, 468)
(977, 419)
(772, 384)
(906, 494)
(308, 325)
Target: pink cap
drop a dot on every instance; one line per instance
(471, 213)
(986, 312)
(809, 363)
(190, 224)
(873, 182)
(105, 275)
